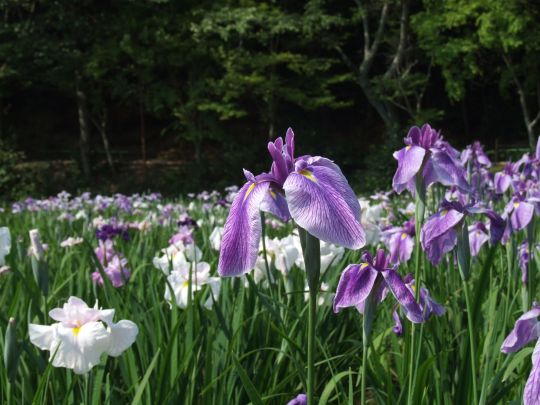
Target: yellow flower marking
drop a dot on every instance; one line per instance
(407, 148)
(309, 175)
(249, 190)
(363, 266)
(444, 212)
(273, 194)
(403, 236)
(185, 284)
(516, 205)
(76, 329)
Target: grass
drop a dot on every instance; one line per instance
(251, 347)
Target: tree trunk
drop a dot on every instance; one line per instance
(142, 131)
(271, 119)
(83, 127)
(102, 128)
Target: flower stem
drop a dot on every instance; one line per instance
(418, 220)
(464, 263)
(369, 309)
(312, 259)
(471, 339)
(311, 346)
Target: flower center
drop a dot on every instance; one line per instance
(309, 175)
(249, 190)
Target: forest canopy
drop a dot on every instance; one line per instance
(178, 95)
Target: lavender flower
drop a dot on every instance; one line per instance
(373, 278)
(439, 233)
(114, 265)
(311, 190)
(527, 329)
(478, 235)
(300, 399)
(400, 242)
(428, 154)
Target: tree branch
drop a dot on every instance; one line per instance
(403, 34)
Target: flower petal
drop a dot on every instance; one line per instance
(531, 394)
(410, 161)
(123, 334)
(242, 231)
(441, 168)
(355, 284)
(41, 336)
(274, 202)
(80, 349)
(522, 215)
(403, 295)
(322, 202)
(525, 330)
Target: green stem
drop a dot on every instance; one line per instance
(369, 310)
(312, 259)
(364, 362)
(418, 219)
(471, 339)
(311, 346)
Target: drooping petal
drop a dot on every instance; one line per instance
(410, 161)
(274, 202)
(429, 305)
(403, 296)
(502, 182)
(439, 224)
(398, 326)
(477, 238)
(531, 394)
(440, 245)
(80, 348)
(123, 334)
(41, 336)
(441, 168)
(400, 246)
(521, 215)
(525, 329)
(355, 285)
(322, 202)
(300, 399)
(242, 231)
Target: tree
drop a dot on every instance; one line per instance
(264, 55)
(481, 39)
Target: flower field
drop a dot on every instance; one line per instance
(289, 289)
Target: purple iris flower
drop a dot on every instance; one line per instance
(374, 277)
(527, 329)
(114, 265)
(184, 235)
(398, 325)
(311, 190)
(475, 155)
(400, 242)
(503, 179)
(439, 233)
(478, 235)
(520, 212)
(111, 230)
(524, 258)
(301, 399)
(427, 153)
(427, 303)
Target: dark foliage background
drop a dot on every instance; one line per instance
(178, 96)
